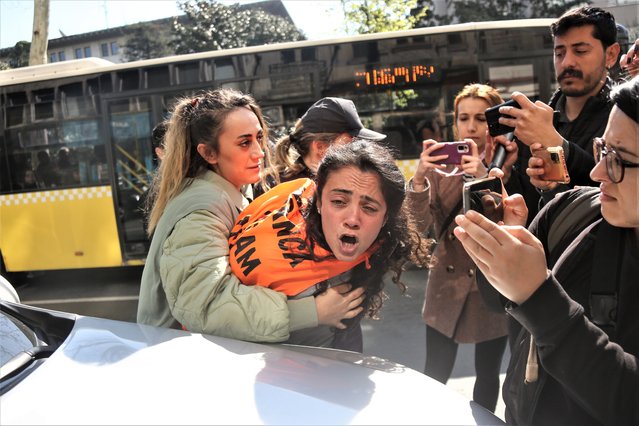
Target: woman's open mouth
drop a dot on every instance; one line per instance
(348, 244)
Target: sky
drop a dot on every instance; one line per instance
(317, 19)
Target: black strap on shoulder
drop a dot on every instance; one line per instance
(577, 215)
(605, 276)
(576, 210)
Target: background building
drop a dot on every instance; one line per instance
(110, 44)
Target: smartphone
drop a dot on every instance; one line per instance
(485, 197)
(492, 114)
(454, 150)
(555, 168)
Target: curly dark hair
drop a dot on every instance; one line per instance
(399, 239)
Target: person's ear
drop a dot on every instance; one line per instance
(159, 152)
(320, 148)
(207, 153)
(612, 53)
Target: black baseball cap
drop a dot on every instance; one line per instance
(336, 115)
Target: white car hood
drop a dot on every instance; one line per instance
(111, 372)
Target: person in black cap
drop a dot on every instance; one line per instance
(157, 140)
(328, 121)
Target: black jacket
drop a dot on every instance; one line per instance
(579, 134)
(585, 376)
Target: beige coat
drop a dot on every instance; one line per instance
(453, 305)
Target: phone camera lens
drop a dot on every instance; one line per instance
(554, 157)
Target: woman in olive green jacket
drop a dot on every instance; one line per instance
(214, 149)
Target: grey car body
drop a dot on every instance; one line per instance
(98, 371)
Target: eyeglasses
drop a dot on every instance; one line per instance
(615, 166)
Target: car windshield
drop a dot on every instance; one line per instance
(28, 337)
(16, 338)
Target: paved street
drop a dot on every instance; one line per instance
(399, 334)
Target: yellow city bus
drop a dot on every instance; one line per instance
(75, 136)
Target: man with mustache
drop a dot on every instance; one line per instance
(585, 48)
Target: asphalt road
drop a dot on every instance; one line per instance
(399, 334)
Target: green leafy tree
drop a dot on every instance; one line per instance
(19, 55)
(495, 10)
(553, 8)
(489, 10)
(265, 28)
(209, 25)
(374, 16)
(147, 42)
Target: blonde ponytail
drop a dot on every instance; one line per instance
(284, 158)
(169, 179)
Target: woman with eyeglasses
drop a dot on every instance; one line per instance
(577, 359)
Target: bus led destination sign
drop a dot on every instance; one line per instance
(393, 76)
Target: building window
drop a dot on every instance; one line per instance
(52, 58)
(78, 53)
(87, 52)
(105, 49)
(62, 56)
(288, 56)
(114, 48)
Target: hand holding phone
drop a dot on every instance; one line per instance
(485, 197)
(630, 59)
(454, 150)
(555, 168)
(492, 114)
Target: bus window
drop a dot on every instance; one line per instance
(128, 80)
(59, 156)
(224, 69)
(32, 138)
(44, 102)
(74, 103)
(188, 72)
(83, 138)
(16, 103)
(158, 77)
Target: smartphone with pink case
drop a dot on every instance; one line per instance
(454, 150)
